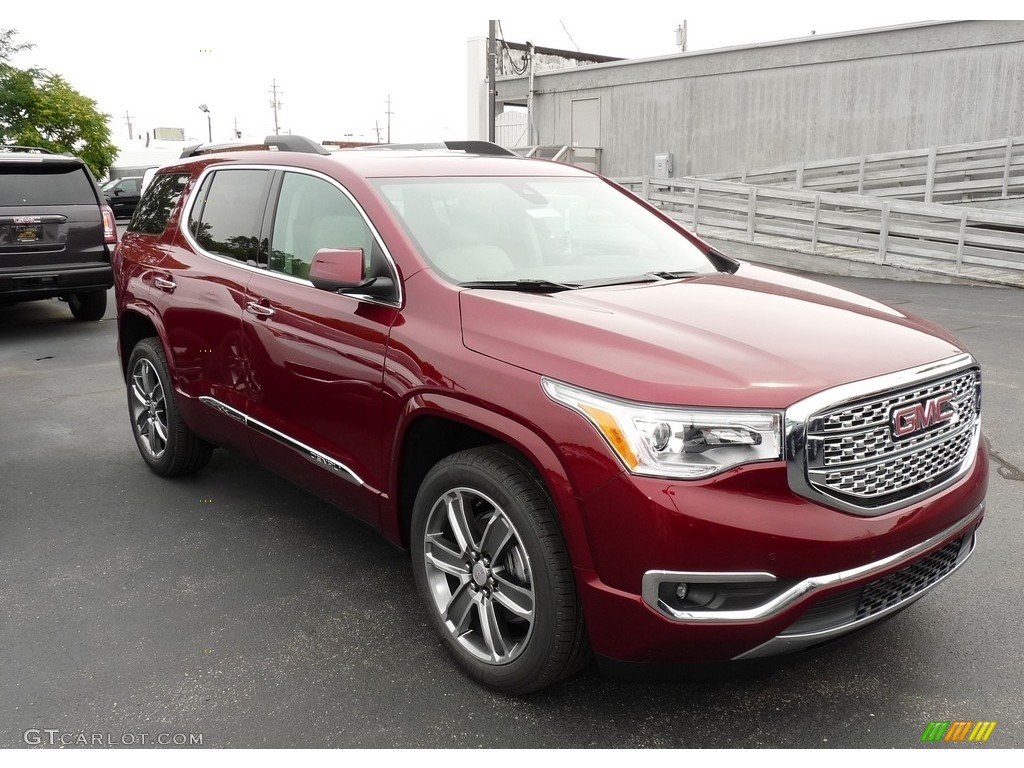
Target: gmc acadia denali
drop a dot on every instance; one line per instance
(593, 432)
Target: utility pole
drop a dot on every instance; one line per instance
(492, 53)
(376, 124)
(274, 103)
(389, 118)
(238, 133)
(128, 119)
(681, 36)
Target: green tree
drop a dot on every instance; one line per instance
(41, 109)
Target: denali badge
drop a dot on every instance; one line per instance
(917, 416)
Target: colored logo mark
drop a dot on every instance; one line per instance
(958, 730)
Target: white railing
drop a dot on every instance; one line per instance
(928, 236)
(956, 173)
(582, 157)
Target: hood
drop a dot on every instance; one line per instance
(757, 338)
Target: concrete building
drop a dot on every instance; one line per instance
(813, 98)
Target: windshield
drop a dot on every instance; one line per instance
(572, 231)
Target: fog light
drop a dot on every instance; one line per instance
(681, 590)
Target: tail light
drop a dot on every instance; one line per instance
(109, 227)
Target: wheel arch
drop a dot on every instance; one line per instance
(133, 327)
(431, 428)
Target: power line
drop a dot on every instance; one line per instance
(520, 70)
(569, 36)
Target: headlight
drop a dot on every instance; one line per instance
(675, 442)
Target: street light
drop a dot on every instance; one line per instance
(209, 126)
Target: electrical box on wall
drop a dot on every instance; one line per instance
(663, 165)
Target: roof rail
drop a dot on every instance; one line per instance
(470, 147)
(22, 148)
(281, 143)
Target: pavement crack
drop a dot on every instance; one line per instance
(1006, 469)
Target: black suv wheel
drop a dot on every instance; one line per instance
(88, 306)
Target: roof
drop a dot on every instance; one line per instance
(16, 154)
(394, 163)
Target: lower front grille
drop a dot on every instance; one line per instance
(907, 582)
(882, 594)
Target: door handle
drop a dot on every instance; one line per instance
(165, 285)
(254, 308)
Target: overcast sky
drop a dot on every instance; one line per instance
(336, 64)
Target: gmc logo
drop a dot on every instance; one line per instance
(918, 416)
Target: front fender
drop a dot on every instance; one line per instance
(532, 445)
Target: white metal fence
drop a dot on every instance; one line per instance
(957, 173)
(960, 241)
(510, 129)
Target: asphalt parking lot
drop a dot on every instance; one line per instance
(235, 607)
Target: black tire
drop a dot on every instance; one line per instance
(166, 444)
(88, 306)
(503, 602)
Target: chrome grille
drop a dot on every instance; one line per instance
(849, 455)
(885, 477)
(864, 431)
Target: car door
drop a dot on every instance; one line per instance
(117, 199)
(316, 357)
(202, 283)
(130, 193)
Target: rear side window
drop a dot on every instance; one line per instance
(154, 210)
(45, 184)
(228, 212)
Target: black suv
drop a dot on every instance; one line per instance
(122, 195)
(56, 232)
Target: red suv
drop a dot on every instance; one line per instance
(591, 430)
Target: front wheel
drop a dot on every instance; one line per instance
(168, 446)
(491, 566)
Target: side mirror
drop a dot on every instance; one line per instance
(336, 269)
(341, 270)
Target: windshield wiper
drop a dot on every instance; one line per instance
(529, 286)
(673, 275)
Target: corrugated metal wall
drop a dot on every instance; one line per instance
(811, 99)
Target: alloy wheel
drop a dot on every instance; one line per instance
(149, 409)
(479, 576)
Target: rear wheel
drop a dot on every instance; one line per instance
(166, 444)
(88, 306)
(491, 567)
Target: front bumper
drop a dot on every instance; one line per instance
(869, 595)
(771, 572)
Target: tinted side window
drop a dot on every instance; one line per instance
(226, 216)
(45, 184)
(154, 210)
(313, 214)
